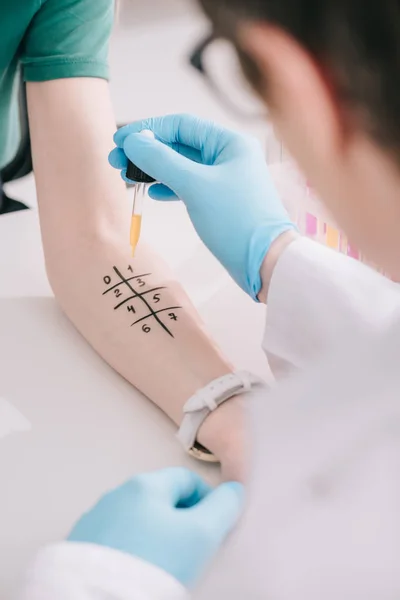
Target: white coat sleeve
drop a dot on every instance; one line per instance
(316, 296)
(72, 571)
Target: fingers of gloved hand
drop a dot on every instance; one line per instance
(220, 509)
(176, 487)
(159, 161)
(118, 159)
(125, 178)
(159, 191)
(187, 151)
(184, 129)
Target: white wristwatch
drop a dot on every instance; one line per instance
(205, 401)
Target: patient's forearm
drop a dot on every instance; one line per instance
(132, 311)
(142, 323)
(139, 319)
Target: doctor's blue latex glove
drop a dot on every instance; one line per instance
(222, 178)
(169, 518)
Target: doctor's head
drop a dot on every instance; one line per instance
(329, 73)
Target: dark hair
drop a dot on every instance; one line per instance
(357, 41)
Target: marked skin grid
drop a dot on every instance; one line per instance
(134, 284)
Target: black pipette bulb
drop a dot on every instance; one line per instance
(135, 174)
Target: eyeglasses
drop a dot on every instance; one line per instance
(217, 60)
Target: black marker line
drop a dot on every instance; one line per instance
(156, 313)
(143, 300)
(138, 296)
(124, 281)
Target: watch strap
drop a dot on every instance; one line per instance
(207, 400)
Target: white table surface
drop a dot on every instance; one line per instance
(89, 429)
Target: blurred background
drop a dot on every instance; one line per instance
(151, 75)
(149, 63)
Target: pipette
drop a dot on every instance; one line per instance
(142, 182)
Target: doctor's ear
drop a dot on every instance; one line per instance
(299, 93)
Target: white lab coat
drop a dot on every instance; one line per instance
(326, 445)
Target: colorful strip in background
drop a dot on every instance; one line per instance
(343, 243)
(311, 225)
(353, 252)
(319, 230)
(330, 236)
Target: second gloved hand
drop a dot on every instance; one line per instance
(169, 518)
(222, 178)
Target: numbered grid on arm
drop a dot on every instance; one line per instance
(137, 294)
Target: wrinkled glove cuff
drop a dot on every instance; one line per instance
(259, 247)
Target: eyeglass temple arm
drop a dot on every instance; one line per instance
(196, 58)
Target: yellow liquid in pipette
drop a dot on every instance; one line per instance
(136, 223)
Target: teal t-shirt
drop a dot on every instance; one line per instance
(47, 39)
